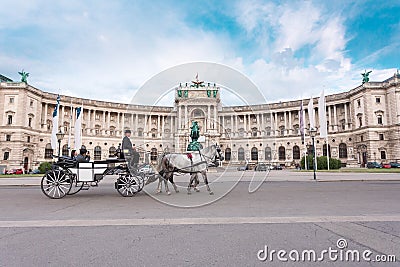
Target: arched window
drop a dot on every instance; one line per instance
(153, 154)
(48, 152)
(198, 113)
(342, 151)
(112, 151)
(97, 153)
(228, 153)
(324, 150)
(281, 152)
(254, 153)
(296, 152)
(268, 154)
(65, 151)
(268, 131)
(241, 153)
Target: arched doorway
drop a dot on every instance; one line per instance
(241, 153)
(254, 153)
(97, 153)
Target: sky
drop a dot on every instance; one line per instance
(107, 50)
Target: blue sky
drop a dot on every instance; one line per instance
(107, 49)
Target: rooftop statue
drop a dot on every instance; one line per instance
(24, 76)
(366, 76)
(197, 83)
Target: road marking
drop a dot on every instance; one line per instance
(199, 221)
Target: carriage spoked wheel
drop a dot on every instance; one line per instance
(56, 184)
(128, 185)
(76, 186)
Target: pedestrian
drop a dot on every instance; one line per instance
(87, 156)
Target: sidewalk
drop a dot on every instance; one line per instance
(247, 176)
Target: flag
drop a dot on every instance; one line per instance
(78, 128)
(311, 113)
(323, 131)
(55, 125)
(302, 121)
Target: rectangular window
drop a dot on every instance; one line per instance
(11, 100)
(8, 137)
(383, 154)
(9, 119)
(6, 155)
(361, 138)
(97, 117)
(31, 103)
(29, 122)
(378, 100)
(380, 119)
(359, 103)
(28, 139)
(381, 137)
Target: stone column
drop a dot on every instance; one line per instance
(262, 123)
(290, 122)
(162, 125)
(136, 123)
(208, 117)
(215, 117)
(118, 124)
(88, 127)
(104, 122)
(123, 123)
(286, 127)
(186, 118)
(62, 117)
(236, 124)
(145, 126)
(270, 123)
(276, 123)
(329, 118)
(46, 107)
(335, 127)
(245, 124)
(158, 125)
(345, 117)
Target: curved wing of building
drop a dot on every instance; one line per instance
(363, 125)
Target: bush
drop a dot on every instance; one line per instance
(322, 163)
(44, 167)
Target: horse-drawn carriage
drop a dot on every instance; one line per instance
(68, 177)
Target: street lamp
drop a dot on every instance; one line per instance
(60, 136)
(312, 133)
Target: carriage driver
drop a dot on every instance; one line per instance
(127, 148)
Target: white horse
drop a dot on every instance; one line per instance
(192, 162)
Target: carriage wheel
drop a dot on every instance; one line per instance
(56, 184)
(128, 185)
(76, 186)
(141, 179)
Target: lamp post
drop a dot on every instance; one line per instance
(312, 133)
(60, 136)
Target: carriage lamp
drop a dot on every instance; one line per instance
(60, 136)
(312, 132)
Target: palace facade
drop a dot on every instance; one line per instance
(363, 125)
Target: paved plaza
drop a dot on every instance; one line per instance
(288, 212)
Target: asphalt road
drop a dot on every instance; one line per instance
(99, 227)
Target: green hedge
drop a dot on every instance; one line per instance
(44, 167)
(322, 163)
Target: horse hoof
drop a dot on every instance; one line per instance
(158, 191)
(168, 193)
(176, 191)
(189, 193)
(211, 193)
(196, 189)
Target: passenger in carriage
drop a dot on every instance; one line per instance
(82, 156)
(73, 154)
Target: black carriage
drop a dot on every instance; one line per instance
(68, 177)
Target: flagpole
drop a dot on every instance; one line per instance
(303, 113)
(70, 128)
